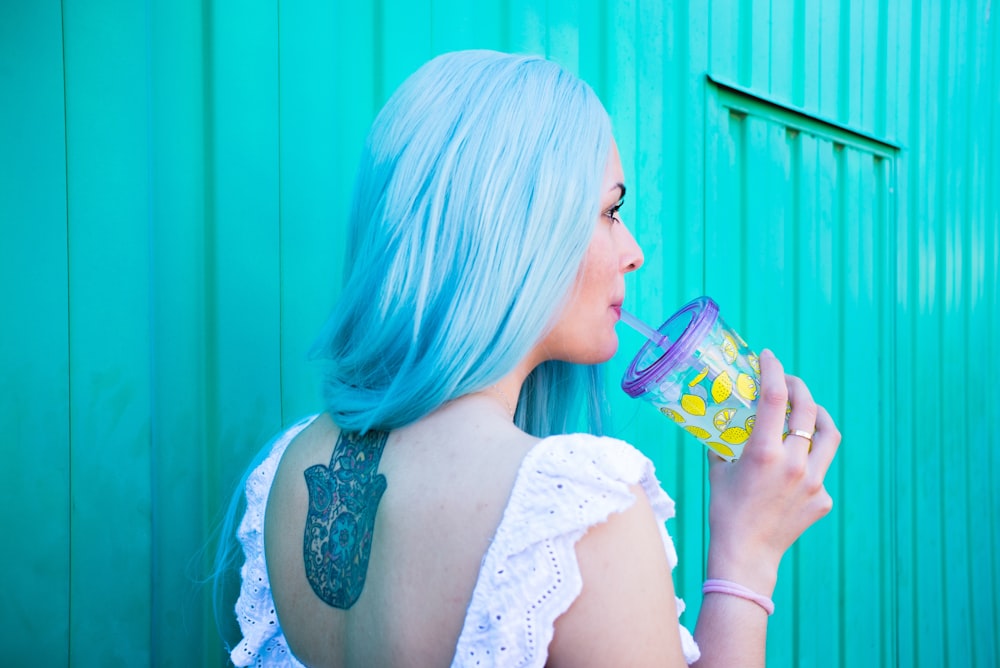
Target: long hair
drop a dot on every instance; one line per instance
(474, 203)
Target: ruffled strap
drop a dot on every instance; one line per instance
(530, 576)
(263, 641)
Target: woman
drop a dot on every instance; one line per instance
(442, 510)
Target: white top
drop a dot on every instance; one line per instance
(529, 575)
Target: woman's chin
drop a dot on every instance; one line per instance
(600, 353)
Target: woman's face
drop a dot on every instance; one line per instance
(585, 332)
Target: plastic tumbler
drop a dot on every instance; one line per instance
(700, 373)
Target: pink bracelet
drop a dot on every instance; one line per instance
(734, 589)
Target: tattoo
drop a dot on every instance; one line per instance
(343, 498)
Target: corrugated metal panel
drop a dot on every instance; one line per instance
(174, 177)
(798, 222)
(108, 191)
(179, 286)
(34, 346)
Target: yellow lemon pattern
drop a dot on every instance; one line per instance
(735, 435)
(672, 414)
(723, 418)
(693, 404)
(746, 387)
(722, 387)
(698, 432)
(748, 425)
(700, 377)
(723, 450)
(754, 363)
(729, 350)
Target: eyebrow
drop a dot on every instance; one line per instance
(620, 186)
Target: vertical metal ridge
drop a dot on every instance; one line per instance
(940, 302)
(993, 209)
(279, 218)
(745, 42)
(210, 344)
(965, 202)
(379, 94)
(741, 136)
(794, 146)
(505, 19)
(886, 318)
(881, 69)
(69, 346)
(917, 292)
(841, 220)
(152, 443)
(844, 65)
(793, 141)
(992, 306)
(798, 93)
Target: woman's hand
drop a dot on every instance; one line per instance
(763, 502)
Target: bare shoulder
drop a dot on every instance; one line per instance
(311, 446)
(289, 497)
(302, 614)
(625, 613)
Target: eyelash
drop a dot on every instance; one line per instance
(612, 213)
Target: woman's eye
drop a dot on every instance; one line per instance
(612, 213)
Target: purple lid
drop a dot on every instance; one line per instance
(681, 335)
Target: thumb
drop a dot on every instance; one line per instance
(714, 460)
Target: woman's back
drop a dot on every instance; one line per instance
(448, 477)
(486, 213)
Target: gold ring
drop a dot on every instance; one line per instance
(808, 435)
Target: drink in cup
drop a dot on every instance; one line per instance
(700, 373)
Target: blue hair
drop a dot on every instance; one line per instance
(474, 204)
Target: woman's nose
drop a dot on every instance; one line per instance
(631, 257)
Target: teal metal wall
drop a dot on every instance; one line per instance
(173, 178)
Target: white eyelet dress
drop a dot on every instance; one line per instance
(529, 575)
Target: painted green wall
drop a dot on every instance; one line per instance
(173, 180)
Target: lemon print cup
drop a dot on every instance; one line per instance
(702, 375)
